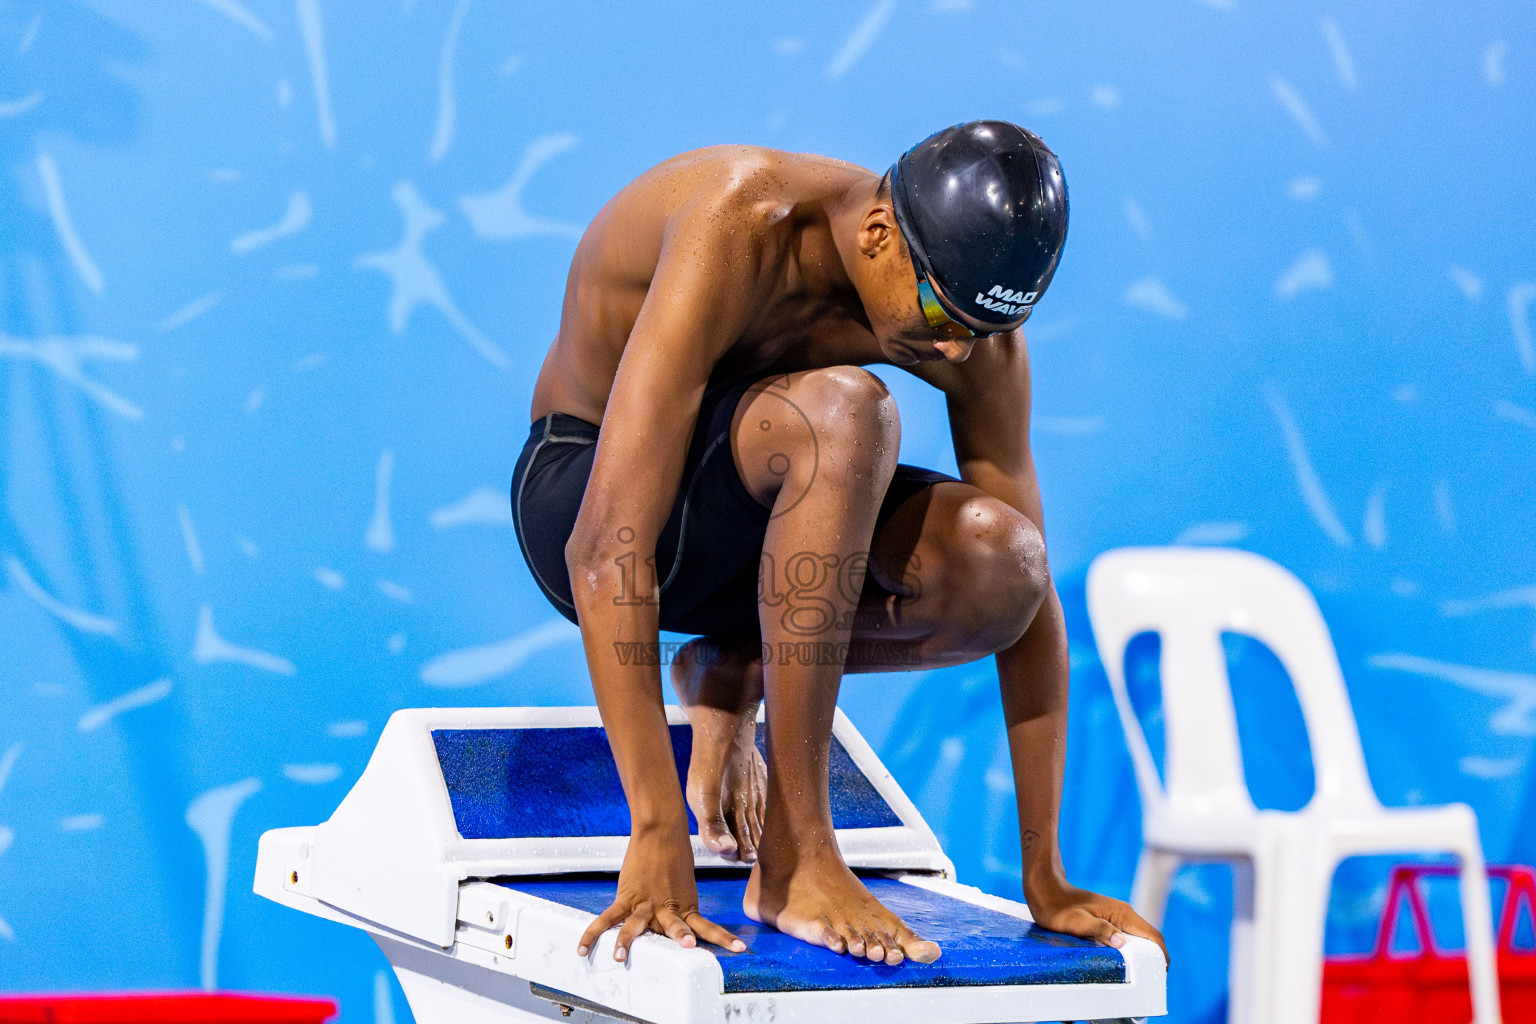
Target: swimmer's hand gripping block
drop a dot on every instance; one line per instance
(479, 843)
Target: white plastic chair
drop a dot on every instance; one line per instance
(1283, 862)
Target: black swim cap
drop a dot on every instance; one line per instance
(983, 207)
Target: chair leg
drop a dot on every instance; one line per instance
(1246, 971)
(1280, 908)
(1154, 880)
(1477, 920)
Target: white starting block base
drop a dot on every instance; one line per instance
(444, 813)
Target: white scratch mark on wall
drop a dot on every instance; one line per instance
(1305, 188)
(1297, 107)
(66, 357)
(861, 39)
(383, 1002)
(1151, 294)
(1212, 533)
(1306, 477)
(482, 506)
(64, 225)
(396, 643)
(1310, 272)
(247, 546)
(17, 107)
(254, 400)
(1357, 233)
(191, 311)
(212, 817)
(29, 36)
(7, 837)
(1515, 597)
(209, 647)
(81, 823)
(241, 16)
(1519, 303)
(1343, 63)
(144, 696)
(380, 535)
(442, 133)
(1187, 884)
(8, 764)
(1493, 62)
(312, 774)
(346, 730)
(1375, 527)
(84, 621)
(1490, 768)
(189, 539)
(501, 214)
(395, 592)
(1514, 413)
(470, 666)
(314, 48)
(1470, 284)
(1516, 718)
(294, 219)
(416, 280)
(1106, 96)
(1445, 512)
(1137, 218)
(330, 578)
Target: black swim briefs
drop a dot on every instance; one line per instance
(708, 552)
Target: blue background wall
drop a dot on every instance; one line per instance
(275, 276)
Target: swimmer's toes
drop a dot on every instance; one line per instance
(716, 835)
(921, 950)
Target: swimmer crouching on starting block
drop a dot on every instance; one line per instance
(743, 486)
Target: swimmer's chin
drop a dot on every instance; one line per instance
(904, 355)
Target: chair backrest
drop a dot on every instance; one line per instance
(1190, 597)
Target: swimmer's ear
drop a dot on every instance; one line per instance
(878, 230)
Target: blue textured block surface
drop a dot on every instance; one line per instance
(981, 946)
(551, 783)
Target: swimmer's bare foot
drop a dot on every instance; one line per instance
(721, 687)
(821, 902)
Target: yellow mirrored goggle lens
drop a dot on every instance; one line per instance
(939, 319)
(934, 313)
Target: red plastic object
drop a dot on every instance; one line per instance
(1430, 987)
(164, 1008)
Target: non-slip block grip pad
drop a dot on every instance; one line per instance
(555, 783)
(980, 946)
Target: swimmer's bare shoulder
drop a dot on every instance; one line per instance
(753, 219)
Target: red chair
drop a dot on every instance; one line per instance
(164, 1008)
(1430, 986)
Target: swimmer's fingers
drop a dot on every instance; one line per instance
(638, 922)
(711, 932)
(1109, 923)
(1122, 916)
(671, 925)
(607, 919)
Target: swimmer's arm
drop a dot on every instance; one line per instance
(988, 399)
(699, 300)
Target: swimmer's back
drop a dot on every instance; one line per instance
(773, 199)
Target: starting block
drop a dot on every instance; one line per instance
(479, 843)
